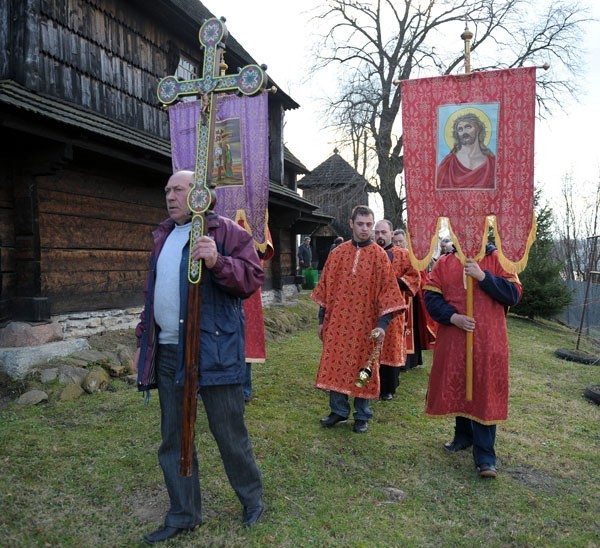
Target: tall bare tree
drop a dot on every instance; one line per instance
(379, 41)
(579, 219)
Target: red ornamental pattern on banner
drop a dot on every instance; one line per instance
(242, 183)
(498, 108)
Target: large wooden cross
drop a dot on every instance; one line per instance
(248, 80)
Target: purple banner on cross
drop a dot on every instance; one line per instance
(240, 156)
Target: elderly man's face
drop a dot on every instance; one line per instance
(399, 240)
(447, 246)
(176, 193)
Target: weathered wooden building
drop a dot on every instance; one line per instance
(87, 153)
(337, 188)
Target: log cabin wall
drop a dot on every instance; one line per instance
(339, 203)
(82, 183)
(95, 236)
(8, 277)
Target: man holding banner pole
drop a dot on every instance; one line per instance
(489, 115)
(493, 292)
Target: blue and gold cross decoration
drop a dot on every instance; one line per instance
(248, 81)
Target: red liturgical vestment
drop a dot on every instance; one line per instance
(253, 310)
(446, 393)
(394, 347)
(420, 321)
(356, 288)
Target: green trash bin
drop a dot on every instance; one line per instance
(311, 277)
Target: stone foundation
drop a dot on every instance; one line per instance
(85, 324)
(24, 344)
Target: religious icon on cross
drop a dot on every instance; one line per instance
(248, 81)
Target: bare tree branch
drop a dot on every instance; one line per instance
(370, 44)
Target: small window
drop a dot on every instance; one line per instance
(187, 70)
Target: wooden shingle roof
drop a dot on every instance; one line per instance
(334, 171)
(293, 162)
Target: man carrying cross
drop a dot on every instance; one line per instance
(191, 333)
(233, 273)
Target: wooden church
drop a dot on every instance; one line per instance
(336, 187)
(87, 152)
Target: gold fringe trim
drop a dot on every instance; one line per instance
(427, 287)
(490, 221)
(507, 264)
(240, 214)
(422, 264)
(466, 416)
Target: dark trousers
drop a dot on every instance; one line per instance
(340, 405)
(481, 436)
(389, 379)
(224, 407)
(412, 360)
(248, 382)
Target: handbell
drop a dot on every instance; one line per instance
(364, 376)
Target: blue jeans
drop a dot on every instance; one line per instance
(481, 436)
(341, 406)
(224, 407)
(248, 382)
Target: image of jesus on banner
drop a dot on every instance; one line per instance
(466, 146)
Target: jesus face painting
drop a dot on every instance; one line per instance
(470, 162)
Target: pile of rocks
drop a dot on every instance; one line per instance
(81, 373)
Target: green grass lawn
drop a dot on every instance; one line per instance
(85, 473)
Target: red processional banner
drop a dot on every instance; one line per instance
(468, 158)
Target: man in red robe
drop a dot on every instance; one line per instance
(494, 291)
(420, 328)
(358, 295)
(255, 323)
(393, 354)
(470, 163)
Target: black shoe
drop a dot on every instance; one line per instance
(360, 427)
(387, 396)
(253, 515)
(332, 420)
(165, 533)
(487, 470)
(454, 447)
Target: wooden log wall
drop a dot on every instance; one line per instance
(7, 249)
(95, 239)
(281, 270)
(338, 202)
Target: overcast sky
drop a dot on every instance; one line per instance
(277, 33)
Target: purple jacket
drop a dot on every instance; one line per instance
(235, 276)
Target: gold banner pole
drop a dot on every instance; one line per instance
(467, 36)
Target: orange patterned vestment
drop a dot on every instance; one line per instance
(394, 347)
(446, 393)
(356, 288)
